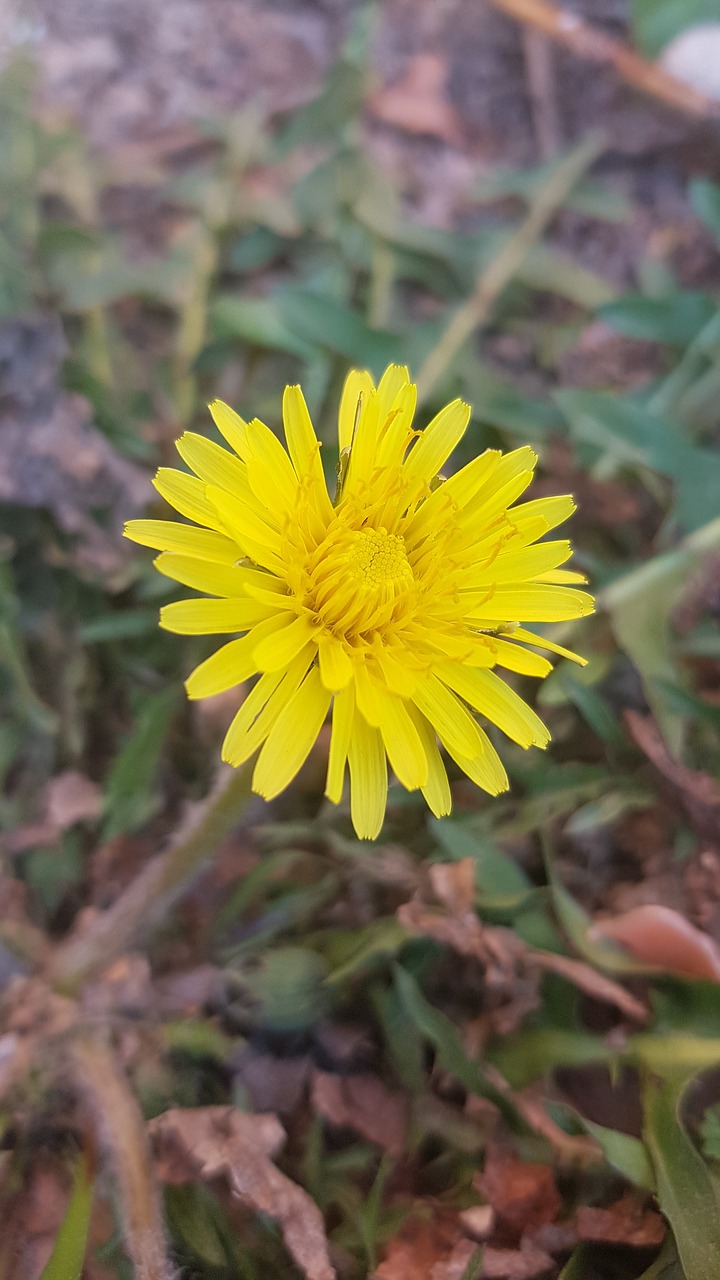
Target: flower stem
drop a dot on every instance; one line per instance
(153, 893)
(475, 311)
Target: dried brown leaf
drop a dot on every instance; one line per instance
(624, 1222)
(526, 1263)
(363, 1103)
(657, 935)
(71, 797)
(221, 1142)
(700, 794)
(504, 954)
(523, 1196)
(418, 103)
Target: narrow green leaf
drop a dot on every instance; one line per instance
(686, 1192)
(66, 1260)
(447, 1042)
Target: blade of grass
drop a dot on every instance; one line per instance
(476, 310)
(68, 1255)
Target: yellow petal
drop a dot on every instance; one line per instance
(540, 642)
(231, 426)
(486, 770)
(165, 535)
(187, 495)
(438, 441)
(212, 463)
(534, 602)
(224, 669)
(522, 563)
(228, 666)
(342, 723)
(393, 382)
(437, 788)
(403, 743)
(270, 470)
(265, 703)
(399, 678)
(494, 699)
(367, 693)
(202, 575)
(450, 719)
(304, 448)
(356, 391)
(211, 617)
(554, 511)
(336, 669)
(279, 649)
(396, 431)
(258, 540)
(513, 657)
(562, 577)
(288, 744)
(368, 779)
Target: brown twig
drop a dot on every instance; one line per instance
(595, 46)
(152, 894)
(120, 1125)
(540, 71)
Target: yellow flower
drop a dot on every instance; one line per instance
(393, 603)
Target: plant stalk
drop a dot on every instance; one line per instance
(155, 890)
(475, 311)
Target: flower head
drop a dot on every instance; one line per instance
(394, 603)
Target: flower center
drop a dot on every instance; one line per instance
(359, 581)
(379, 559)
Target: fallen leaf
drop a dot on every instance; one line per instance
(659, 936)
(699, 792)
(426, 1249)
(592, 983)
(363, 1103)
(506, 957)
(526, 1263)
(31, 1016)
(523, 1196)
(71, 797)
(418, 103)
(624, 1222)
(221, 1142)
(453, 884)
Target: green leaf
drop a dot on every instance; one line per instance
(326, 116)
(591, 198)
(495, 873)
(676, 319)
(530, 1055)
(710, 1131)
(547, 269)
(68, 1255)
(686, 1192)
(624, 1153)
(576, 923)
(656, 22)
(639, 605)
(257, 321)
(333, 325)
(447, 1042)
(352, 951)
(130, 790)
(705, 200)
